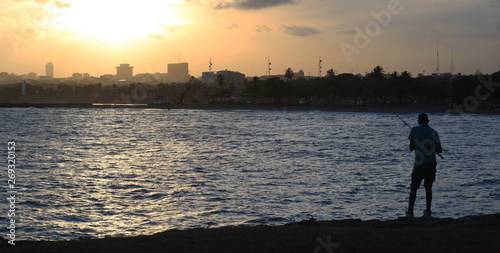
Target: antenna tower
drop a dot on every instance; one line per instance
(268, 66)
(437, 66)
(210, 65)
(319, 67)
(452, 60)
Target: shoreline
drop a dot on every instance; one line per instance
(270, 107)
(467, 234)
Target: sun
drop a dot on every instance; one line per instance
(117, 20)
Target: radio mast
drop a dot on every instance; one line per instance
(319, 67)
(452, 60)
(437, 66)
(268, 66)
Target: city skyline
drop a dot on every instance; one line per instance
(92, 37)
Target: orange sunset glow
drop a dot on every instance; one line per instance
(96, 36)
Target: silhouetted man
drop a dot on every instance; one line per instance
(425, 141)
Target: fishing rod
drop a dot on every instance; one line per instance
(397, 116)
(402, 120)
(410, 129)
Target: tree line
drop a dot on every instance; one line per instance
(376, 88)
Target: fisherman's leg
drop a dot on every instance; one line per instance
(416, 179)
(430, 177)
(428, 198)
(413, 197)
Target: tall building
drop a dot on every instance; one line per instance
(125, 71)
(208, 77)
(229, 77)
(77, 76)
(178, 69)
(49, 70)
(178, 72)
(232, 76)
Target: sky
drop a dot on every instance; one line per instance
(95, 36)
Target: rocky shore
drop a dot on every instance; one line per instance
(467, 234)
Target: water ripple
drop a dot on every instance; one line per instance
(119, 172)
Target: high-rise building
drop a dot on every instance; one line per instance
(49, 70)
(178, 69)
(125, 71)
(178, 72)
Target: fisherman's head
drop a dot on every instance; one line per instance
(423, 119)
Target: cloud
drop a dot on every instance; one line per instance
(168, 28)
(163, 32)
(262, 28)
(42, 1)
(251, 4)
(70, 35)
(498, 26)
(234, 26)
(57, 3)
(347, 32)
(61, 4)
(157, 37)
(299, 30)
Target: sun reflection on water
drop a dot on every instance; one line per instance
(116, 172)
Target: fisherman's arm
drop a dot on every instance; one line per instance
(435, 137)
(439, 149)
(412, 145)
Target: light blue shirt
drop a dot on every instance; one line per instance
(425, 143)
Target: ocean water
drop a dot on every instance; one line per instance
(121, 172)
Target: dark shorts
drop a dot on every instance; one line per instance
(426, 172)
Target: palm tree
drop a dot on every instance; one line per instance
(395, 74)
(406, 74)
(289, 74)
(378, 72)
(220, 80)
